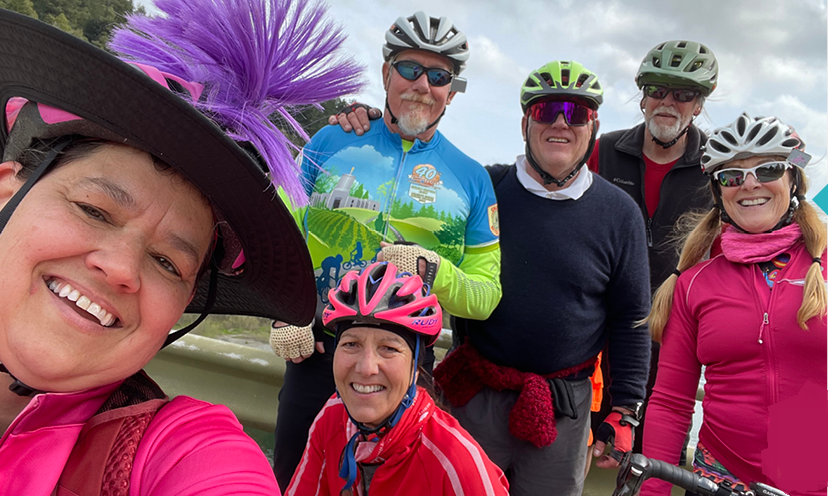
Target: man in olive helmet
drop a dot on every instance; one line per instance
(658, 162)
(574, 277)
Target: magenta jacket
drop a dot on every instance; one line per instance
(190, 448)
(726, 318)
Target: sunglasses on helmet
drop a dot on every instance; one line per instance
(575, 114)
(661, 92)
(764, 173)
(412, 71)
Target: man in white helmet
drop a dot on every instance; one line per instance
(399, 192)
(658, 162)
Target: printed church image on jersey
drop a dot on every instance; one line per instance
(340, 197)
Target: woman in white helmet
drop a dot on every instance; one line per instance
(754, 316)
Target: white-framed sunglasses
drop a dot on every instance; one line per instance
(764, 173)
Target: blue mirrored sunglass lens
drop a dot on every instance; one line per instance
(412, 71)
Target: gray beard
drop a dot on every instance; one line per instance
(412, 125)
(666, 133)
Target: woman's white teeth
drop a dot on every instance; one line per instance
(359, 388)
(64, 290)
(757, 201)
(557, 140)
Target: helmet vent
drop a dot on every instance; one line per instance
(565, 77)
(596, 86)
(792, 142)
(660, 47)
(768, 136)
(729, 137)
(675, 60)
(682, 44)
(581, 80)
(719, 147)
(752, 133)
(740, 125)
(702, 49)
(656, 62)
(696, 65)
(548, 78)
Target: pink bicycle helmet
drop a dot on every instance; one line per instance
(381, 294)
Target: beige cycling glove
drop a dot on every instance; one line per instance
(290, 341)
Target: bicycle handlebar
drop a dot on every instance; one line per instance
(636, 468)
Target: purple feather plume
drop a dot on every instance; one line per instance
(255, 58)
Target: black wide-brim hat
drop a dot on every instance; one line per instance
(43, 64)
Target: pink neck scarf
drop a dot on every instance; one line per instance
(740, 247)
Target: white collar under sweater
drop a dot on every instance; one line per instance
(574, 190)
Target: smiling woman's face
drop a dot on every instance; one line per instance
(372, 371)
(757, 207)
(108, 232)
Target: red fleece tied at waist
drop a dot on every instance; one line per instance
(464, 373)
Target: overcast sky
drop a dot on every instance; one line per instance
(771, 53)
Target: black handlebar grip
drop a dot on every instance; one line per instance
(682, 478)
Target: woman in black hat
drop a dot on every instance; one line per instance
(121, 206)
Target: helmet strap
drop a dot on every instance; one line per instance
(208, 305)
(668, 144)
(547, 177)
(41, 169)
(17, 387)
(394, 119)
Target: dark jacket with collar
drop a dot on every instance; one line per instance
(685, 188)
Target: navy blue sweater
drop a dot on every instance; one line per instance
(574, 275)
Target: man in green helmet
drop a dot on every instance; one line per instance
(658, 162)
(574, 276)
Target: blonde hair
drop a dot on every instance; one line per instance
(705, 229)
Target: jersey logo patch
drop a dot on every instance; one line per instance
(494, 220)
(425, 181)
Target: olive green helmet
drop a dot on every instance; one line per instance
(680, 63)
(562, 78)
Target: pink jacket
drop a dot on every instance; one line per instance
(426, 453)
(190, 448)
(726, 318)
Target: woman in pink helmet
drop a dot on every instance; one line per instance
(381, 434)
(132, 190)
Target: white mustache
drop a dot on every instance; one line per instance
(413, 97)
(668, 110)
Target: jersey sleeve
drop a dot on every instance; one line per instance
(472, 290)
(670, 409)
(194, 448)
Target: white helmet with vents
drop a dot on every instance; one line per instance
(748, 137)
(421, 32)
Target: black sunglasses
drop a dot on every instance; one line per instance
(412, 71)
(764, 173)
(661, 92)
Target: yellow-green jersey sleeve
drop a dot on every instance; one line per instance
(472, 289)
(297, 213)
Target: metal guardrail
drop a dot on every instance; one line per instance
(245, 379)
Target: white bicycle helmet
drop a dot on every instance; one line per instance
(748, 137)
(421, 32)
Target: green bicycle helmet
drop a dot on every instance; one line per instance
(680, 63)
(562, 78)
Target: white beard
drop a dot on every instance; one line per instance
(414, 120)
(412, 123)
(667, 133)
